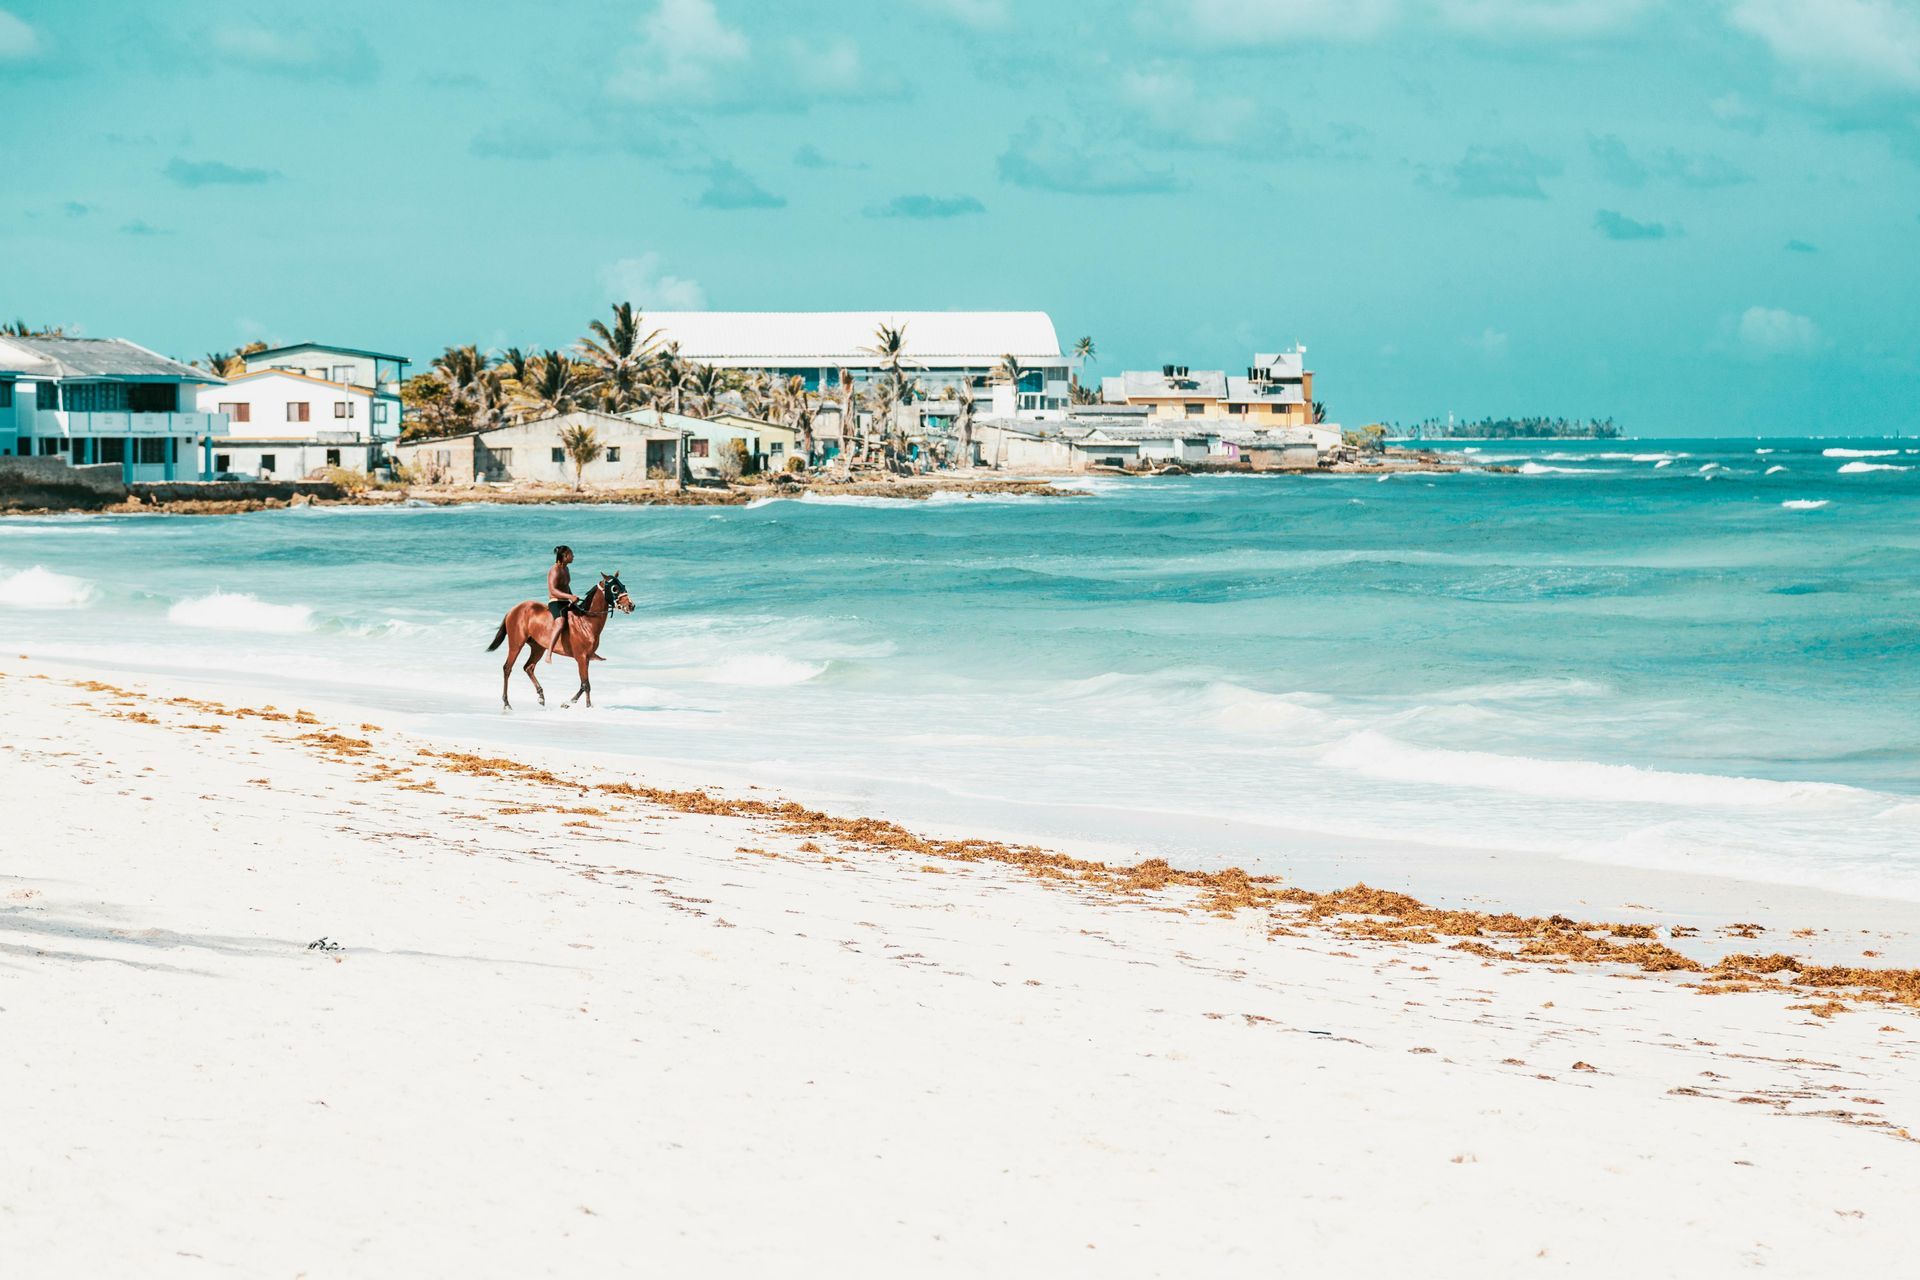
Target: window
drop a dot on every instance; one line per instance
(613, 454)
(150, 450)
(379, 411)
(6, 395)
(696, 448)
(152, 397)
(222, 462)
(1237, 408)
(51, 444)
(343, 408)
(1196, 410)
(559, 455)
(267, 462)
(49, 395)
(237, 410)
(342, 373)
(775, 448)
(333, 457)
(112, 449)
(299, 411)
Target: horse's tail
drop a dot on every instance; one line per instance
(499, 638)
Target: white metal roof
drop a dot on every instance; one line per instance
(803, 338)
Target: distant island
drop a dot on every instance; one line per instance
(1511, 429)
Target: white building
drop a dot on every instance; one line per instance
(943, 348)
(103, 400)
(632, 453)
(371, 371)
(285, 426)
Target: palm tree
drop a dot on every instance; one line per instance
(705, 385)
(1319, 411)
(667, 378)
(582, 445)
(963, 423)
(514, 364)
(1084, 353)
(621, 354)
(849, 421)
(548, 385)
(21, 329)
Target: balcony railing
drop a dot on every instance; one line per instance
(125, 423)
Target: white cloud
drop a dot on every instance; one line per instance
(1522, 19)
(1170, 109)
(683, 57)
(1871, 44)
(1768, 331)
(688, 56)
(300, 53)
(981, 15)
(17, 39)
(1489, 340)
(1278, 21)
(641, 282)
(1288, 21)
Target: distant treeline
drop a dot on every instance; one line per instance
(1514, 429)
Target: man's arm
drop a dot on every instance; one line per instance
(557, 584)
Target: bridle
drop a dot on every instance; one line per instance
(615, 592)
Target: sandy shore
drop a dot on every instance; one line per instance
(291, 993)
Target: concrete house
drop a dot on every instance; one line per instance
(635, 452)
(103, 400)
(373, 372)
(1277, 391)
(282, 425)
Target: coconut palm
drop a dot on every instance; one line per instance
(963, 422)
(513, 364)
(1319, 411)
(667, 378)
(582, 445)
(1083, 350)
(621, 354)
(849, 421)
(1084, 354)
(21, 329)
(548, 385)
(705, 384)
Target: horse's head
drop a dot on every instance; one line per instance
(616, 592)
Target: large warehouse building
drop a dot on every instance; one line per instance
(942, 347)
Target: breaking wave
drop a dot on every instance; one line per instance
(238, 611)
(1805, 504)
(1855, 468)
(42, 588)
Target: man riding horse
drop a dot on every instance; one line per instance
(566, 623)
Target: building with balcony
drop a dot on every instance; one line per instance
(1277, 391)
(943, 348)
(283, 425)
(373, 372)
(103, 400)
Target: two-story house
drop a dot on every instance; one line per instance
(101, 400)
(302, 409)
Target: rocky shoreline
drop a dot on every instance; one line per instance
(242, 497)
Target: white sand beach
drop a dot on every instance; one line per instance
(557, 1029)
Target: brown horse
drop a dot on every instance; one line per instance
(574, 634)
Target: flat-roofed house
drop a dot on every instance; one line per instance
(103, 400)
(942, 348)
(1276, 391)
(533, 451)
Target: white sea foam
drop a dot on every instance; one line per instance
(760, 669)
(238, 611)
(42, 588)
(1378, 756)
(1775, 467)
(1763, 451)
(1664, 462)
(1535, 469)
(854, 500)
(1804, 504)
(1855, 468)
(1858, 453)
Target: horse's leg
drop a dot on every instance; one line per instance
(584, 690)
(533, 659)
(506, 668)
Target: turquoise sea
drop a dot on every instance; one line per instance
(1683, 654)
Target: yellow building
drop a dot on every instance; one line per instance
(1277, 391)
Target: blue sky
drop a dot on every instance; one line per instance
(1694, 217)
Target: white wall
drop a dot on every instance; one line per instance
(267, 396)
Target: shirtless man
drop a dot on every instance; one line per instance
(560, 598)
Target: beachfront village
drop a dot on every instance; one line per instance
(645, 401)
